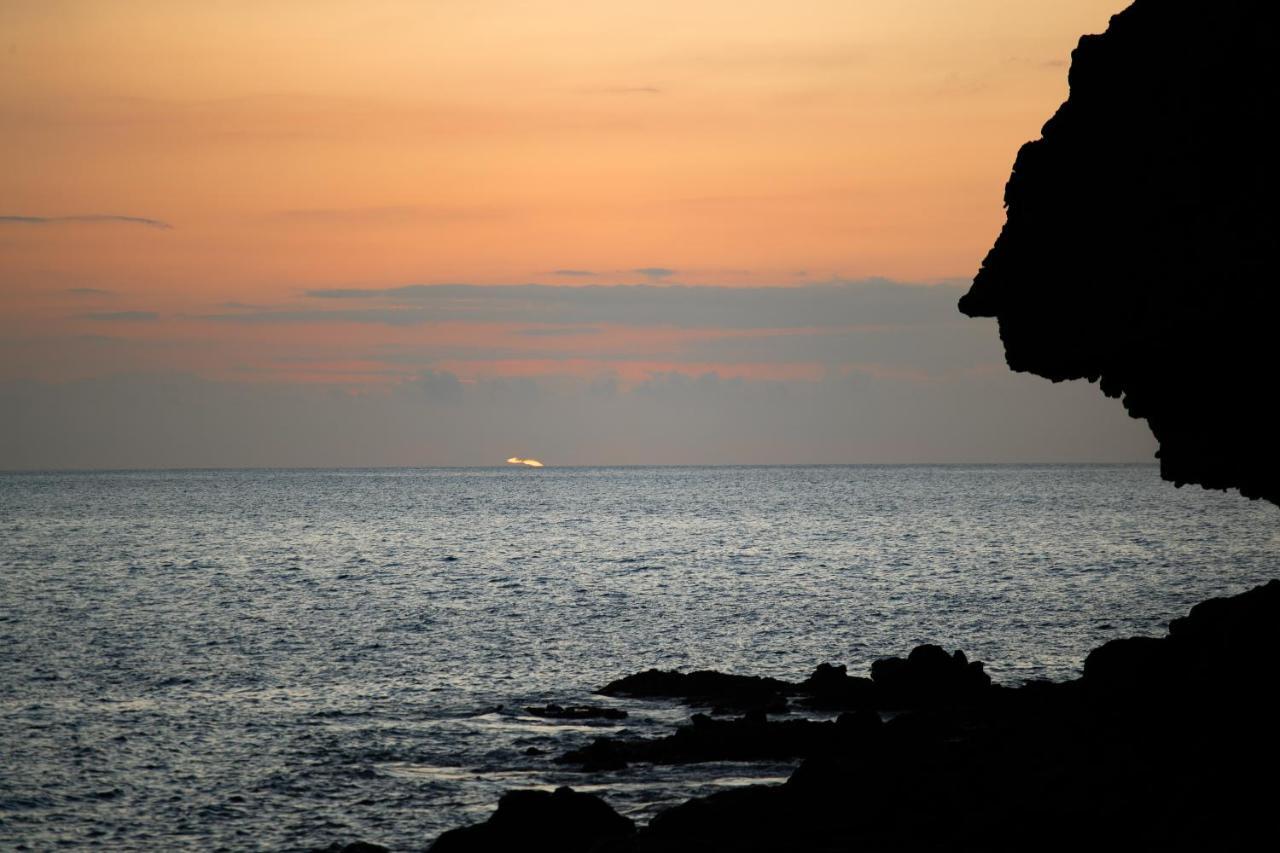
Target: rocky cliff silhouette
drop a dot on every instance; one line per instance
(1140, 234)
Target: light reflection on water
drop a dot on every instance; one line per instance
(287, 658)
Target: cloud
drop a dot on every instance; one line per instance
(864, 302)
(84, 218)
(375, 316)
(557, 331)
(621, 90)
(655, 272)
(123, 316)
(87, 291)
(438, 386)
(573, 273)
(390, 214)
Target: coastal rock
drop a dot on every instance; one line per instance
(576, 712)
(752, 737)
(831, 687)
(745, 819)
(1225, 649)
(604, 753)
(1171, 765)
(929, 676)
(703, 687)
(563, 821)
(1140, 234)
(1158, 745)
(1135, 665)
(1243, 626)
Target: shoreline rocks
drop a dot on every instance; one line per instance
(703, 687)
(751, 737)
(564, 821)
(1160, 743)
(575, 712)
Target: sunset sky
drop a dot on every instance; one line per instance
(309, 232)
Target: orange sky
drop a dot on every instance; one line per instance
(168, 162)
(295, 143)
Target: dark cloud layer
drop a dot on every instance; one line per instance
(846, 371)
(438, 419)
(870, 302)
(83, 218)
(123, 316)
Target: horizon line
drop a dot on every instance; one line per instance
(552, 467)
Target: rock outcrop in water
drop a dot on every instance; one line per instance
(703, 687)
(1140, 234)
(927, 676)
(575, 712)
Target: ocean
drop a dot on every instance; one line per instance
(283, 659)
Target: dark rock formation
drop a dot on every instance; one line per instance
(565, 821)
(1140, 234)
(929, 676)
(576, 712)
(749, 738)
(705, 687)
(1162, 744)
(1219, 651)
(1171, 763)
(832, 687)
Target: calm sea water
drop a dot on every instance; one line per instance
(281, 659)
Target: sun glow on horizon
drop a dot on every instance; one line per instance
(531, 463)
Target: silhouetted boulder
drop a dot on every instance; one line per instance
(1225, 649)
(832, 687)
(1141, 236)
(605, 753)
(565, 821)
(1240, 626)
(1136, 665)
(928, 676)
(749, 818)
(705, 687)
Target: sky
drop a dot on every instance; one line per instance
(437, 232)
